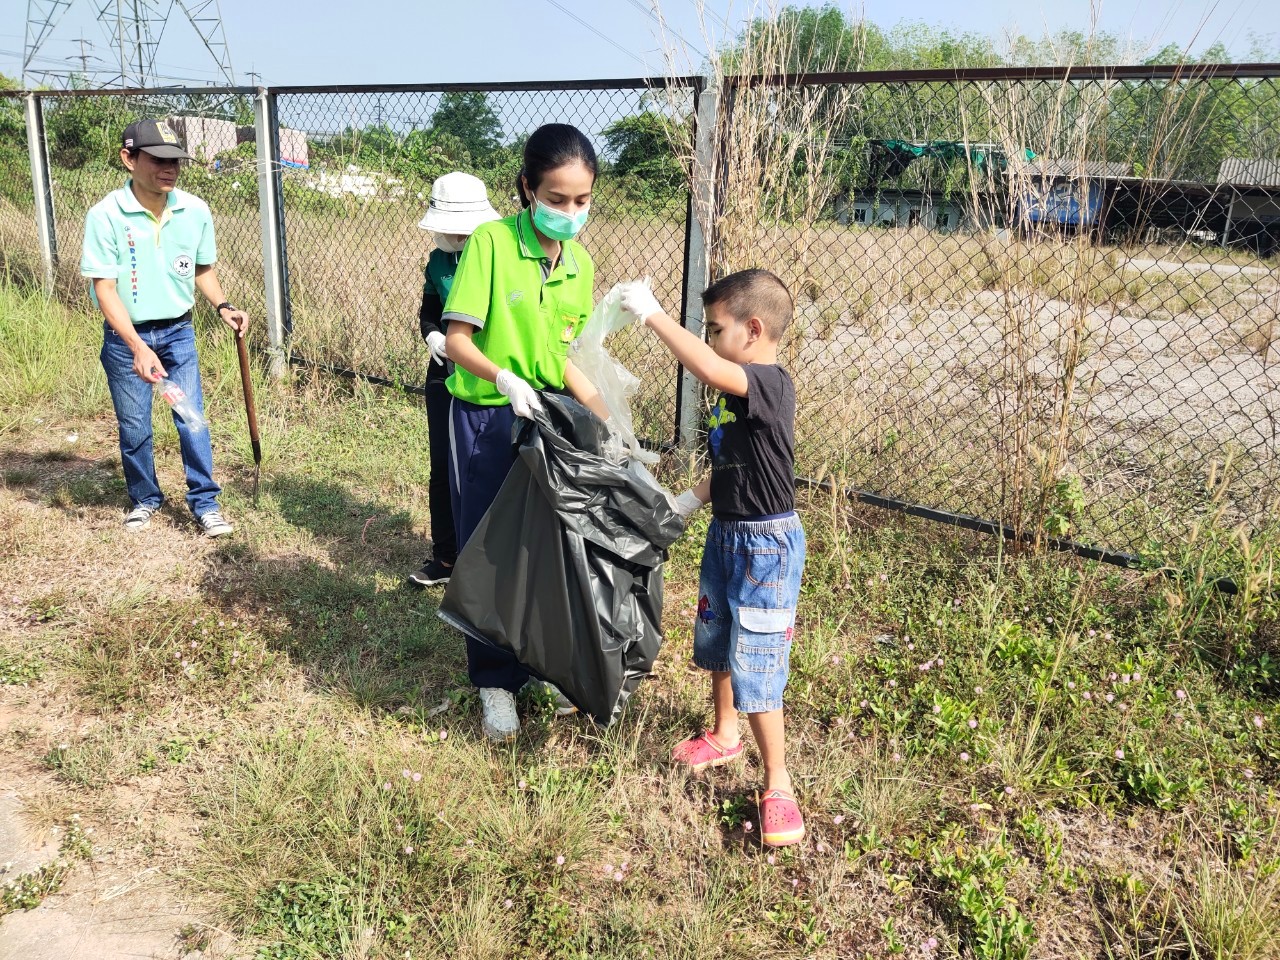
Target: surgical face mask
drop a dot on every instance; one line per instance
(557, 224)
(449, 242)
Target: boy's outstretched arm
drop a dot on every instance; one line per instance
(694, 355)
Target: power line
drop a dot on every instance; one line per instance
(661, 22)
(703, 8)
(135, 29)
(607, 39)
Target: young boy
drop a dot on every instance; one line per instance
(754, 555)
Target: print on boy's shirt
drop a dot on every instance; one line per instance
(719, 417)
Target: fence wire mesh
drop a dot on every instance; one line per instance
(83, 141)
(19, 244)
(357, 184)
(1043, 298)
(1051, 303)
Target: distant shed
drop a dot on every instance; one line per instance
(1253, 208)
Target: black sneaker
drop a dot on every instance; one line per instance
(433, 574)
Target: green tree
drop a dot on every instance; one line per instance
(85, 131)
(641, 146)
(469, 117)
(15, 173)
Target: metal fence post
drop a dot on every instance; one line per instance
(697, 266)
(37, 150)
(270, 210)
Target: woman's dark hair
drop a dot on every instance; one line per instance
(550, 147)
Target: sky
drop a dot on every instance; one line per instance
(439, 41)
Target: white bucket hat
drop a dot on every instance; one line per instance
(459, 204)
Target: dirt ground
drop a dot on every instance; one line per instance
(125, 902)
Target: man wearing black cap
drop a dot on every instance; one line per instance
(147, 248)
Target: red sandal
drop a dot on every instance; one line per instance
(780, 821)
(700, 752)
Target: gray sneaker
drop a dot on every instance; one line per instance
(213, 525)
(563, 705)
(139, 518)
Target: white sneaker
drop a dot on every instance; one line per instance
(501, 722)
(213, 525)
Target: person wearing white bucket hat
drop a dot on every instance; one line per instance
(459, 203)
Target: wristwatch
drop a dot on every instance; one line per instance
(224, 305)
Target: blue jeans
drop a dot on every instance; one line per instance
(747, 594)
(133, 399)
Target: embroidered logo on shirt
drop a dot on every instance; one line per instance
(515, 296)
(183, 265)
(566, 335)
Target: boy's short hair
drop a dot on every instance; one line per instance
(753, 293)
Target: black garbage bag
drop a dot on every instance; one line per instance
(565, 570)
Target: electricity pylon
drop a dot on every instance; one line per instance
(135, 29)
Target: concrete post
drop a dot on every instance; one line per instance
(42, 189)
(271, 213)
(697, 265)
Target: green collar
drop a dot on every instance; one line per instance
(531, 249)
(129, 203)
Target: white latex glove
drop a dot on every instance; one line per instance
(524, 399)
(687, 504)
(638, 298)
(435, 343)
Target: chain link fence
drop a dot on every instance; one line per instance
(1039, 301)
(1046, 301)
(19, 247)
(353, 200)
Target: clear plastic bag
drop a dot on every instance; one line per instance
(614, 381)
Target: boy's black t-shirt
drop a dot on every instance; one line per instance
(752, 444)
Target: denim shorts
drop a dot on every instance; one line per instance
(747, 595)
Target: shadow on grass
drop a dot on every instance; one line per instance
(64, 478)
(343, 613)
(323, 570)
(72, 483)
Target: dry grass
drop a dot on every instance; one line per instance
(304, 678)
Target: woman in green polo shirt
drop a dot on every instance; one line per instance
(520, 296)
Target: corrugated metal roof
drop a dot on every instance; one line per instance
(1095, 169)
(1242, 172)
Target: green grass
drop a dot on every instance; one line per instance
(999, 756)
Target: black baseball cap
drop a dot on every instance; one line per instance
(154, 137)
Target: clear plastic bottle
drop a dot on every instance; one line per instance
(177, 398)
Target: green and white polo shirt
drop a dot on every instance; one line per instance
(526, 314)
(153, 261)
